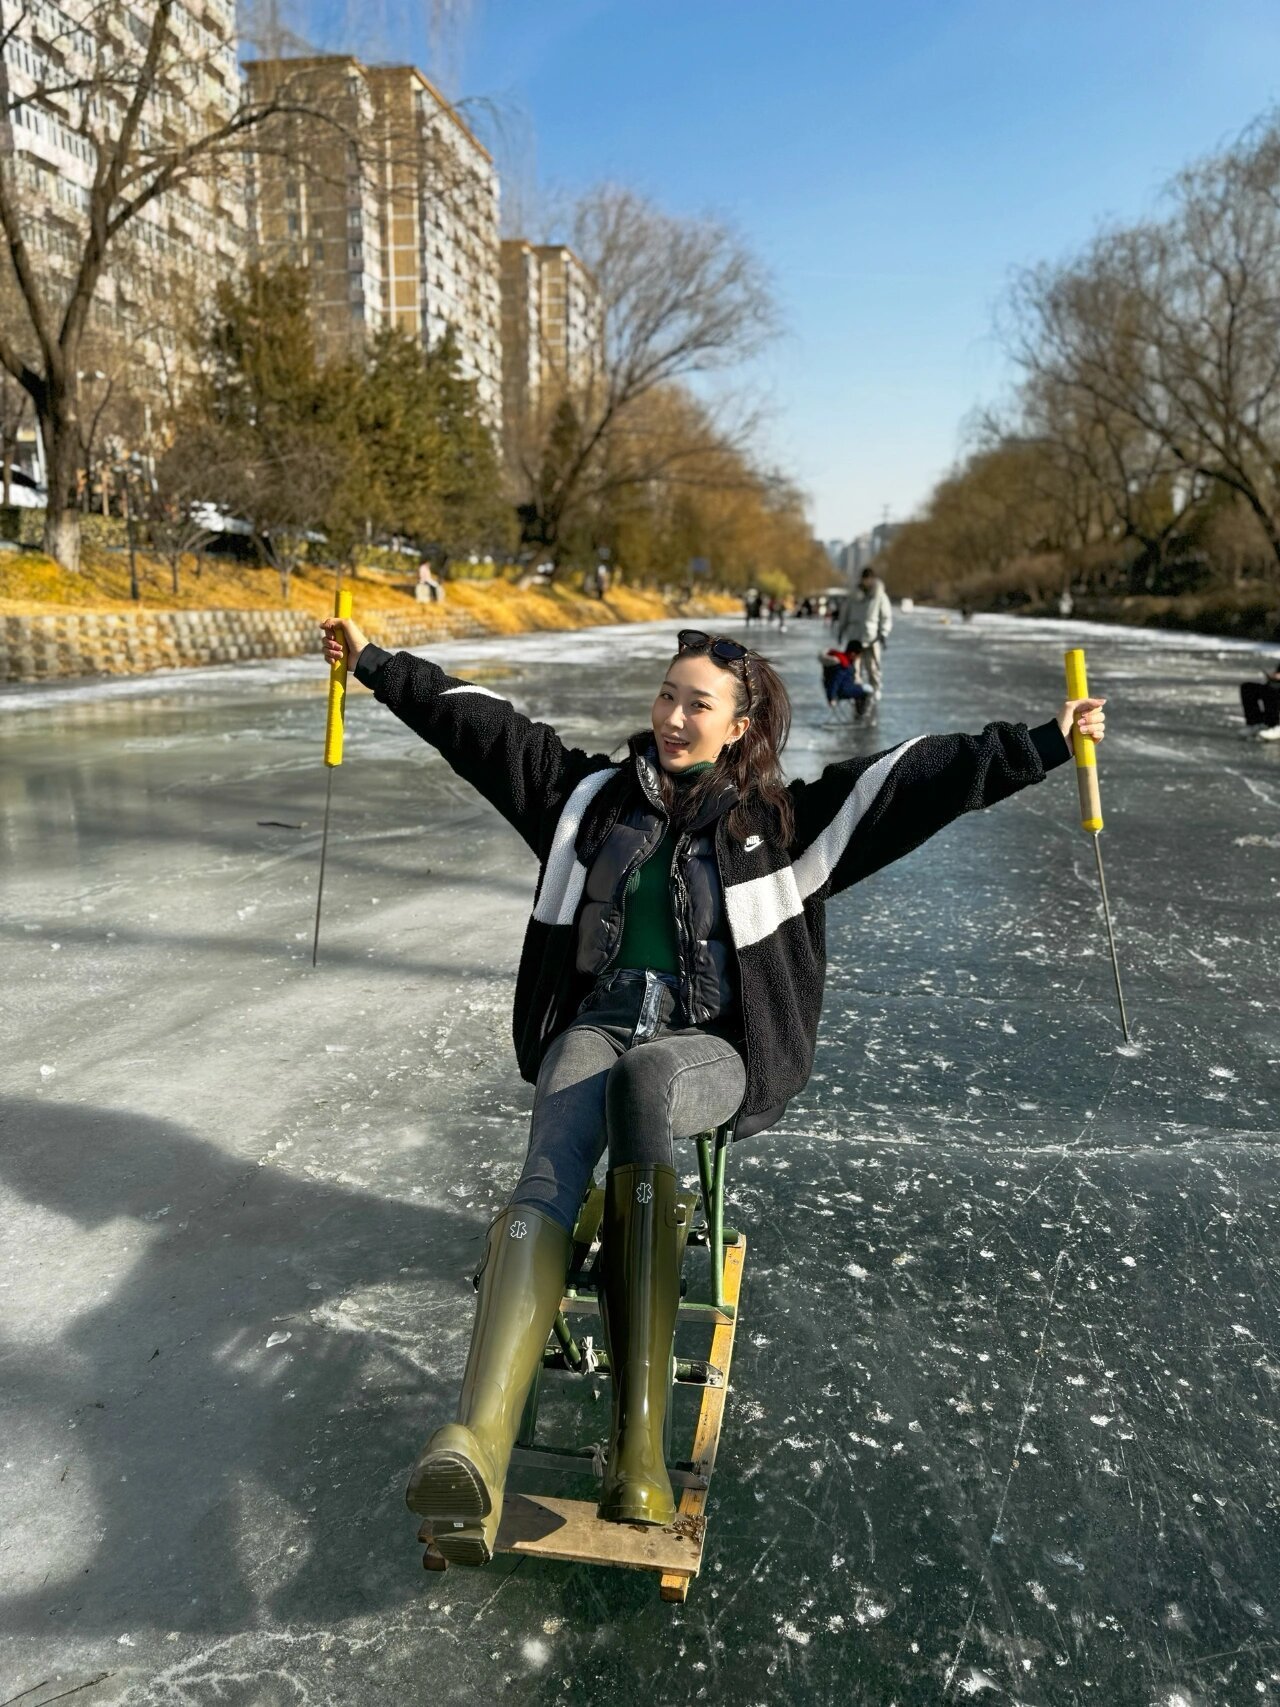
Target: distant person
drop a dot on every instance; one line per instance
(428, 587)
(602, 580)
(1261, 702)
(753, 606)
(869, 624)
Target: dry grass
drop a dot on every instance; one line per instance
(505, 610)
(34, 585)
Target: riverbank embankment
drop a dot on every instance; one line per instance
(1233, 615)
(55, 626)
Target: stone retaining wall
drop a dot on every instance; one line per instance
(129, 643)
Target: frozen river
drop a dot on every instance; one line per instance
(1005, 1421)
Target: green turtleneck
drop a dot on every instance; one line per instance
(648, 918)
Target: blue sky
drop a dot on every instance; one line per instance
(891, 163)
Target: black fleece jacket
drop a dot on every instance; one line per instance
(858, 816)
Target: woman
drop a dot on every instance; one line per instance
(671, 980)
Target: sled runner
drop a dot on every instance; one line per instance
(546, 1526)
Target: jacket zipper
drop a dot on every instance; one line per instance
(737, 959)
(684, 930)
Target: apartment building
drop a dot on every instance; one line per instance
(861, 553)
(570, 319)
(62, 80)
(521, 338)
(316, 191)
(552, 330)
(391, 202)
(440, 227)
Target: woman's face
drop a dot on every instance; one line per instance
(693, 716)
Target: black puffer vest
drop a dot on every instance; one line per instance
(708, 975)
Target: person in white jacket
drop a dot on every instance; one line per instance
(868, 626)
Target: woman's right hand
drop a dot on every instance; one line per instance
(343, 633)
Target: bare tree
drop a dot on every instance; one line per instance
(142, 98)
(175, 489)
(675, 298)
(1107, 477)
(1166, 336)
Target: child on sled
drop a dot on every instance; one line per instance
(842, 678)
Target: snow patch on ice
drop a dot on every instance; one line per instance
(868, 1609)
(974, 1682)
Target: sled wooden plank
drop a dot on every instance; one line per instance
(542, 1527)
(706, 1439)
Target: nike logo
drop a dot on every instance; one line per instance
(752, 843)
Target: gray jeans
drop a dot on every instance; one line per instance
(625, 1078)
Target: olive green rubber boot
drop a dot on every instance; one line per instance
(458, 1479)
(640, 1295)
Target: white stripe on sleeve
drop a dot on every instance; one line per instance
(757, 908)
(565, 875)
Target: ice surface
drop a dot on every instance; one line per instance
(1003, 1411)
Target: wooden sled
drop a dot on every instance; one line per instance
(544, 1526)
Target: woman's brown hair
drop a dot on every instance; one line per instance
(753, 762)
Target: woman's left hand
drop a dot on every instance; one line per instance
(1086, 715)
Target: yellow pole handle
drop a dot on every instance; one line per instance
(1085, 750)
(337, 692)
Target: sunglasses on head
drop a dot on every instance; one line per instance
(726, 651)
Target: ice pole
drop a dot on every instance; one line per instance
(332, 750)
(1086, 754)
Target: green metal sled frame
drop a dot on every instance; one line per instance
(546, 1527)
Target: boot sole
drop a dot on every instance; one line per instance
(445, 1485)
(647, 1517)
(462, 1546)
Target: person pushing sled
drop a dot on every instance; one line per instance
(671, 981)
